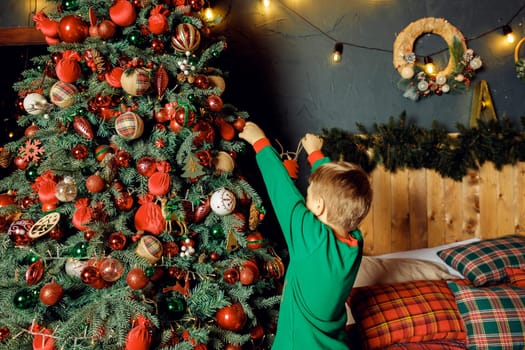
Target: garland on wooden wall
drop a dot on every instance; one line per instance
(400, 144)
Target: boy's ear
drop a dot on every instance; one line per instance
(319, 206)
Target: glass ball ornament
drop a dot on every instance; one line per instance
(217, 232)
(66, 190)
(18, 232)
(90, 275)
(136, 38)
(31, 173)
(79, 250)
(175, 305)
(110, 269)
(30, 258)
(24, 299)
(69, 5)
(117, 241)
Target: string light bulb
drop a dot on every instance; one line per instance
(266, 3)
(429, 65)
(509, 35)
(337, 54)
(208, 14)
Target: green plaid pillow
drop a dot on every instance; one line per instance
(494, 317)
(485, 261)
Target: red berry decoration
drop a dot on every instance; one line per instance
(4, 333)
(137, 278)
(51, 293)
(95, 183)
(231, 317)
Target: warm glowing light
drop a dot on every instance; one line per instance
(11, 134)
(266, 3)
(337, 54)
(208, 14)
(509, 35)
(429, 65)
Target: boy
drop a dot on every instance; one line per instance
(323, 241)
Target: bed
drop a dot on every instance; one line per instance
(464, 295)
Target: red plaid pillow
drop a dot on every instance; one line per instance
(516, 276)
(406, 312)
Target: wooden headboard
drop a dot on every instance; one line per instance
(415, 209)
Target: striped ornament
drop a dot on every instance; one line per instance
(186, 38)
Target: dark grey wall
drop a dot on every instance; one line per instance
(281, 73)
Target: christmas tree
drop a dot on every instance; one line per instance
(126, 222)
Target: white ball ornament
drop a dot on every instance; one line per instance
(74, 267)
(407, 72)
(222, 201)
(35, 104)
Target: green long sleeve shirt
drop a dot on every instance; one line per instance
(322, 267)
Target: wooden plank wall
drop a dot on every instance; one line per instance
(415, 209)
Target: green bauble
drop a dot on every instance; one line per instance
(216, 232)
(24, 299)
(136, 38)
(79, 250)
(69, 5)
(30, 259)
(175, 305)
(31, 173)
(150, 271)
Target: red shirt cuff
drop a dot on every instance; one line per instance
(315, 156)
(260, 144)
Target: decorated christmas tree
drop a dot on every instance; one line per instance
(125, 221)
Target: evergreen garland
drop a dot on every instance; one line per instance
(399, 144)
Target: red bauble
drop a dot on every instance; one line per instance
(21, 163)
(231, 318)
(249, 273)
(117, 241)
(124, 202)
(232, 347)
(239, 124)
(174, 126)
(170, 249)
(30, 130)
(51, 293)
(184, 117)
(137, 279)
(231, 275)
(56, 233)
(79, 152)
(205, 133)
(257, 332)
(95, 183)
(83, 127)
(146, 166)
(254, 240)
(72, 29)
(7, 199)
(201, 81)
(90, 275)
(18, 232)
(161, 116)
(215, 103)
(122, 13)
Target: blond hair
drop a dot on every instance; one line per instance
(346, 190)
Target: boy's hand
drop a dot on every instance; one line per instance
(312, 143)
(251, 133)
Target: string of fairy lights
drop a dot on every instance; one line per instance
(337, 53)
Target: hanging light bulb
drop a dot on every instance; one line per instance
(337, 54)
(266, 3)
(509, 35)
(429, 65)
(208, 14)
